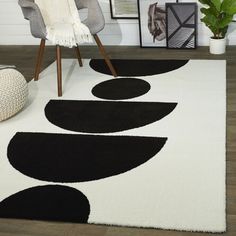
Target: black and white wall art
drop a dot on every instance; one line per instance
(181, 28)
(152, 23)
(124, 9)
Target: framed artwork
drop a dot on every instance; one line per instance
(124, 9)
(152, 22)
(181, 25)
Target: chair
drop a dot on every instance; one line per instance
(95, 22)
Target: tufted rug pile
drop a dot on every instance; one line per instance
(144, 150)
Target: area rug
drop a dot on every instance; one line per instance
(144, 150)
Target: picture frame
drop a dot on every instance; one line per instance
(181, 25)
(152, 22)
(124, 9)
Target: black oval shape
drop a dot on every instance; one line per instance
(77, 158)
(137, 67)
(122, 88)
(105, 116)
(47, 203)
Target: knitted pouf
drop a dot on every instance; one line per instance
(13, 93)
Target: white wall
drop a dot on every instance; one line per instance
(14, 30)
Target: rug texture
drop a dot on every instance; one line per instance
(144, 150)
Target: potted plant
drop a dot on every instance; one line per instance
(217, 16)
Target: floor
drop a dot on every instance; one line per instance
(24, 59)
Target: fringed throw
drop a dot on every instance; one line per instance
(63, 23)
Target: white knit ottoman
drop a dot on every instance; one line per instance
(13, 93)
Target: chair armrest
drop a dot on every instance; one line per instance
(32, 13)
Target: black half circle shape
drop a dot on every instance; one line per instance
(105, 116)
(137, 67)
(47, 203)
(121, 88)
(77, 158)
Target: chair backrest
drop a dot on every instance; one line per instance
(32, 13)
(95, 20)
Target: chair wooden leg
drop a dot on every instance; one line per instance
(39, 59)
(78, 56)
(103, 52)
(59, 71)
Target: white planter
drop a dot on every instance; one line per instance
(217, 46)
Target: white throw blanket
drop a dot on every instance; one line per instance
(63, 23)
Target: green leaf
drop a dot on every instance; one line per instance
(207, 11)
(210, 20)
(212, 3)
(206, 2)
(229, 7)
(212, 7)
(224, 31)
(217, 4)
(225, 21)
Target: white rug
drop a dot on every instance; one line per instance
(183, 188)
